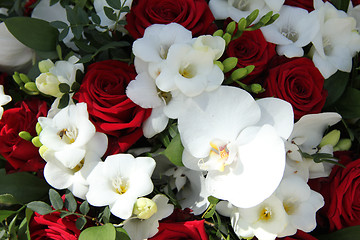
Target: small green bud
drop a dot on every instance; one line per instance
(256, 88)
(343, 145)
(24, 78)
(273, 18)
(144, 208)
(249, 69)
(31, 86)
(219, 33)
(242, 24)
(36, 141)
(42, 151)
(252, 17)
(239, 74)
(230, 28)
(266, 18)
(220, 65)
(227, 38)
(17, 79)
(25, 135)
(229, 64)
(38, 128)
(45, 65)
(331, 138)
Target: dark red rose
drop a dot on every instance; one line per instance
(195, 15)
(355, 2)
(341, 192)
(193, 230)
(110, 110)
(22, 155)
(298, 82)
(29, 6)
(2, 78)
(251, 49)
(305, 4)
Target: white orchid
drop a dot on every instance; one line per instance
(236, 139)
(305, 137)
(139, 229)
(119, 181)
(4, 99)
(69, 134)
(337, 41)
(14, 56)
(294, 29)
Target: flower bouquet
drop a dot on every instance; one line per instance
(189, 119)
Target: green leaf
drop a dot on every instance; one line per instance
(64, 101)
(77, 31)
(59, 24)
(335, 86)
(341, 4)
(65, 214)
(95, 18)
(23, 186)
(75, 86)
(125, 9)
(213, 200)
(174, 151)
(80, 223)
(349, 233)
(109, 12)
(40, 207)
(64, 87)
(8, 199)
(86, 58)
(84, 208)
(52, 2)
(28, 215)
(349, 104)
(63, 33)
(116, 4)
(34, 33)
(211, 212)
(5, 214)
(121, 234)
(106, 231)
(105, 215)
(55, 199)
(70, 202)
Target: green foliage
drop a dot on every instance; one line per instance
(121, 234)
(107, 231)
(34, 33)
(341, 4)
(55, 199)
(349, 233)
(40, 207)
(70, 202)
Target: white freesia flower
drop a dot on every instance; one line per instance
(55, 12)
(305, 137)
(14, 56)
(139, 229)
(4, 99)
(191, 190)
(237, 9)
(265, 220)
(74, 179)
(336, 43)
(294, 29)
(69, 134)
(119, 181)
(300, 204)
(355, 13)
(105, 21)
(236, 139)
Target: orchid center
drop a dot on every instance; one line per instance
(120, 184)
(219, 156)
(68, 135)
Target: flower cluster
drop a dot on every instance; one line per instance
(191, 119)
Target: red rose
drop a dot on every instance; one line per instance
(298, 82)
(195, 15)
(341, 191)
(194, 230)
(22, 155)
(251, 49)
(110, 110)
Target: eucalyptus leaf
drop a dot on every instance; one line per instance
(109, 12)
(40, 207)
(80, 223)
(115, 4)
(65, 214)
(106, 231)
(55, 199)
(70, 202)
(174, 151)
(58, 24)
(64, 33)
(33, 33)
(84, 207)
(105, 216)
(95, 18)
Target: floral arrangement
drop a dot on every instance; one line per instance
(189, 119)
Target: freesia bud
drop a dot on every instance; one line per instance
(343, 145)
(256, 88)
(25, 135)
(36, 141)
(48, 83)
(144, 208)
(31, 86)
(219, 33)
(230, 28)
(239, 73)
(331, 138)
(220, 65)
(45, 65)
(38, 128)
(229, 64)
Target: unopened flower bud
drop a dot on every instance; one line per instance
(229, 64)
(38, 128)
(242, 24)
(36, 141)
(42, 151)
(144, 208)
(25, 135)
(48, 83)
(227, 38)
(24, 78)
(31, 86)
(219, 33)
(17, 79)
(343, 145)
(220, 65)
(239, 73)
(256, 88)
(331, 138)
(45, 65)
(230, 28)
